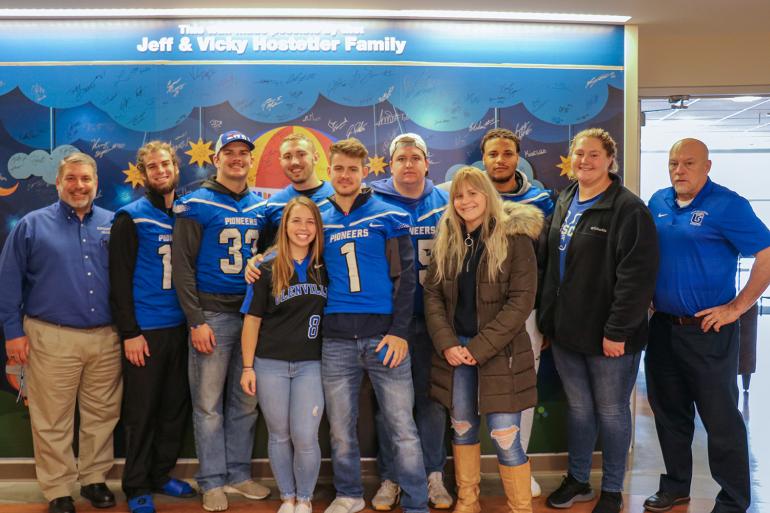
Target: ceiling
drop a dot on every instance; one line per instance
(720, 122)
(653, 16)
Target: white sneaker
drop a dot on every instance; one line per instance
(249, 489)
(438, 495)
(387, 496)
(536, 492)
(214, 500)
(346, 505)
(287, 507)
(303, 507)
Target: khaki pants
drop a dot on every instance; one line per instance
(68, 365)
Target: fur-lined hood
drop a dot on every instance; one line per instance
(522, 219)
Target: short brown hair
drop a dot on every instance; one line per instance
(152, 147)
(76, 158)
(604, 137)
(501, 133)
(350, 147)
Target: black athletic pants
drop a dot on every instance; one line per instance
(685, 369)
(156, 409)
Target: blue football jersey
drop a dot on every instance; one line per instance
(276, 203)
(425, 213)
(230, 234)
(355, 258)
(155, 301)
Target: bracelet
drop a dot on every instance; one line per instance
(247, 368)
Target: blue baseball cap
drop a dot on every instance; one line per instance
(230, 137)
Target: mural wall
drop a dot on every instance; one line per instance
(107, 86)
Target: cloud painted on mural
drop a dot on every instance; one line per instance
(156, 98)
(38, 163)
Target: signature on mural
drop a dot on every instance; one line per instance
(388, 117)
(336, 125)
(387, 94)
(100, 149)
(272, 103)
(535, 153)
(356, 128)
(308, 118)
(481, 125)
(174, 88)
(523, 129)
(38, 92)
(598, 79)
(215, 123)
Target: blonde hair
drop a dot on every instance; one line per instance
(604, 137)
(297, 137)
(449, 250)
(283, 266)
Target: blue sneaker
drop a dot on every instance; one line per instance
(141, 504)
(177, 488)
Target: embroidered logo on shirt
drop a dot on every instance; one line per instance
(598, 229)
(697, 217)
(661, 214)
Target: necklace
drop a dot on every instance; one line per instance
(469, 243)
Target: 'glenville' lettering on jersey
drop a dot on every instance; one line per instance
(300, 289)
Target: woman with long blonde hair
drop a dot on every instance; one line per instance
(282, 351)
(479, 291)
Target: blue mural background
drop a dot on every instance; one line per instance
(87, 84)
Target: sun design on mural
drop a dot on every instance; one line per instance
(133, 176)
(200, 152)
(566, 167)
(377, 165)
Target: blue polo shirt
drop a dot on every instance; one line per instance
(54, 267)
(700, 245)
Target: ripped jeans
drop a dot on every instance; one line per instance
(466, 421)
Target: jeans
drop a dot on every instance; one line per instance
(343, 365)
(689, 369)
(466, 421)
(429, 415)
(224, 417)
(598, 392)
(292, 401)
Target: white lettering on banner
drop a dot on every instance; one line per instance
(228, 44)
(164, 44)
(387, 44)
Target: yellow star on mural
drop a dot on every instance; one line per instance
(377, 165)
(200, 152)
(133, 176)
(566, 167)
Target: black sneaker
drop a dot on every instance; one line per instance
(609, 502)
(570, 491)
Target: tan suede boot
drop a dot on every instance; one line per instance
(518, 487)
(468, 477)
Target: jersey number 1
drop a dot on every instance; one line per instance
(348, 250)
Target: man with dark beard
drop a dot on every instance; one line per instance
(156, 401)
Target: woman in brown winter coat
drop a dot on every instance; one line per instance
(479, 291)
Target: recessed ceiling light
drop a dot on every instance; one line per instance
(745, 99)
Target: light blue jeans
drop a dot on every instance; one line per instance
(429, 414)
(598, 397)
(292, 401)
(342, 370)
(466, 421)
(224, 430)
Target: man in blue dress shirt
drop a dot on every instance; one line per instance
(55, 312)
(692, 356)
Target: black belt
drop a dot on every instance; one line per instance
(85, 328)
(681, 320)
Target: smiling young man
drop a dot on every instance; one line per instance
(156, 399)
(56, 317)
(216, 231)
(369, 258)
(409, 188)
(298, 158)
